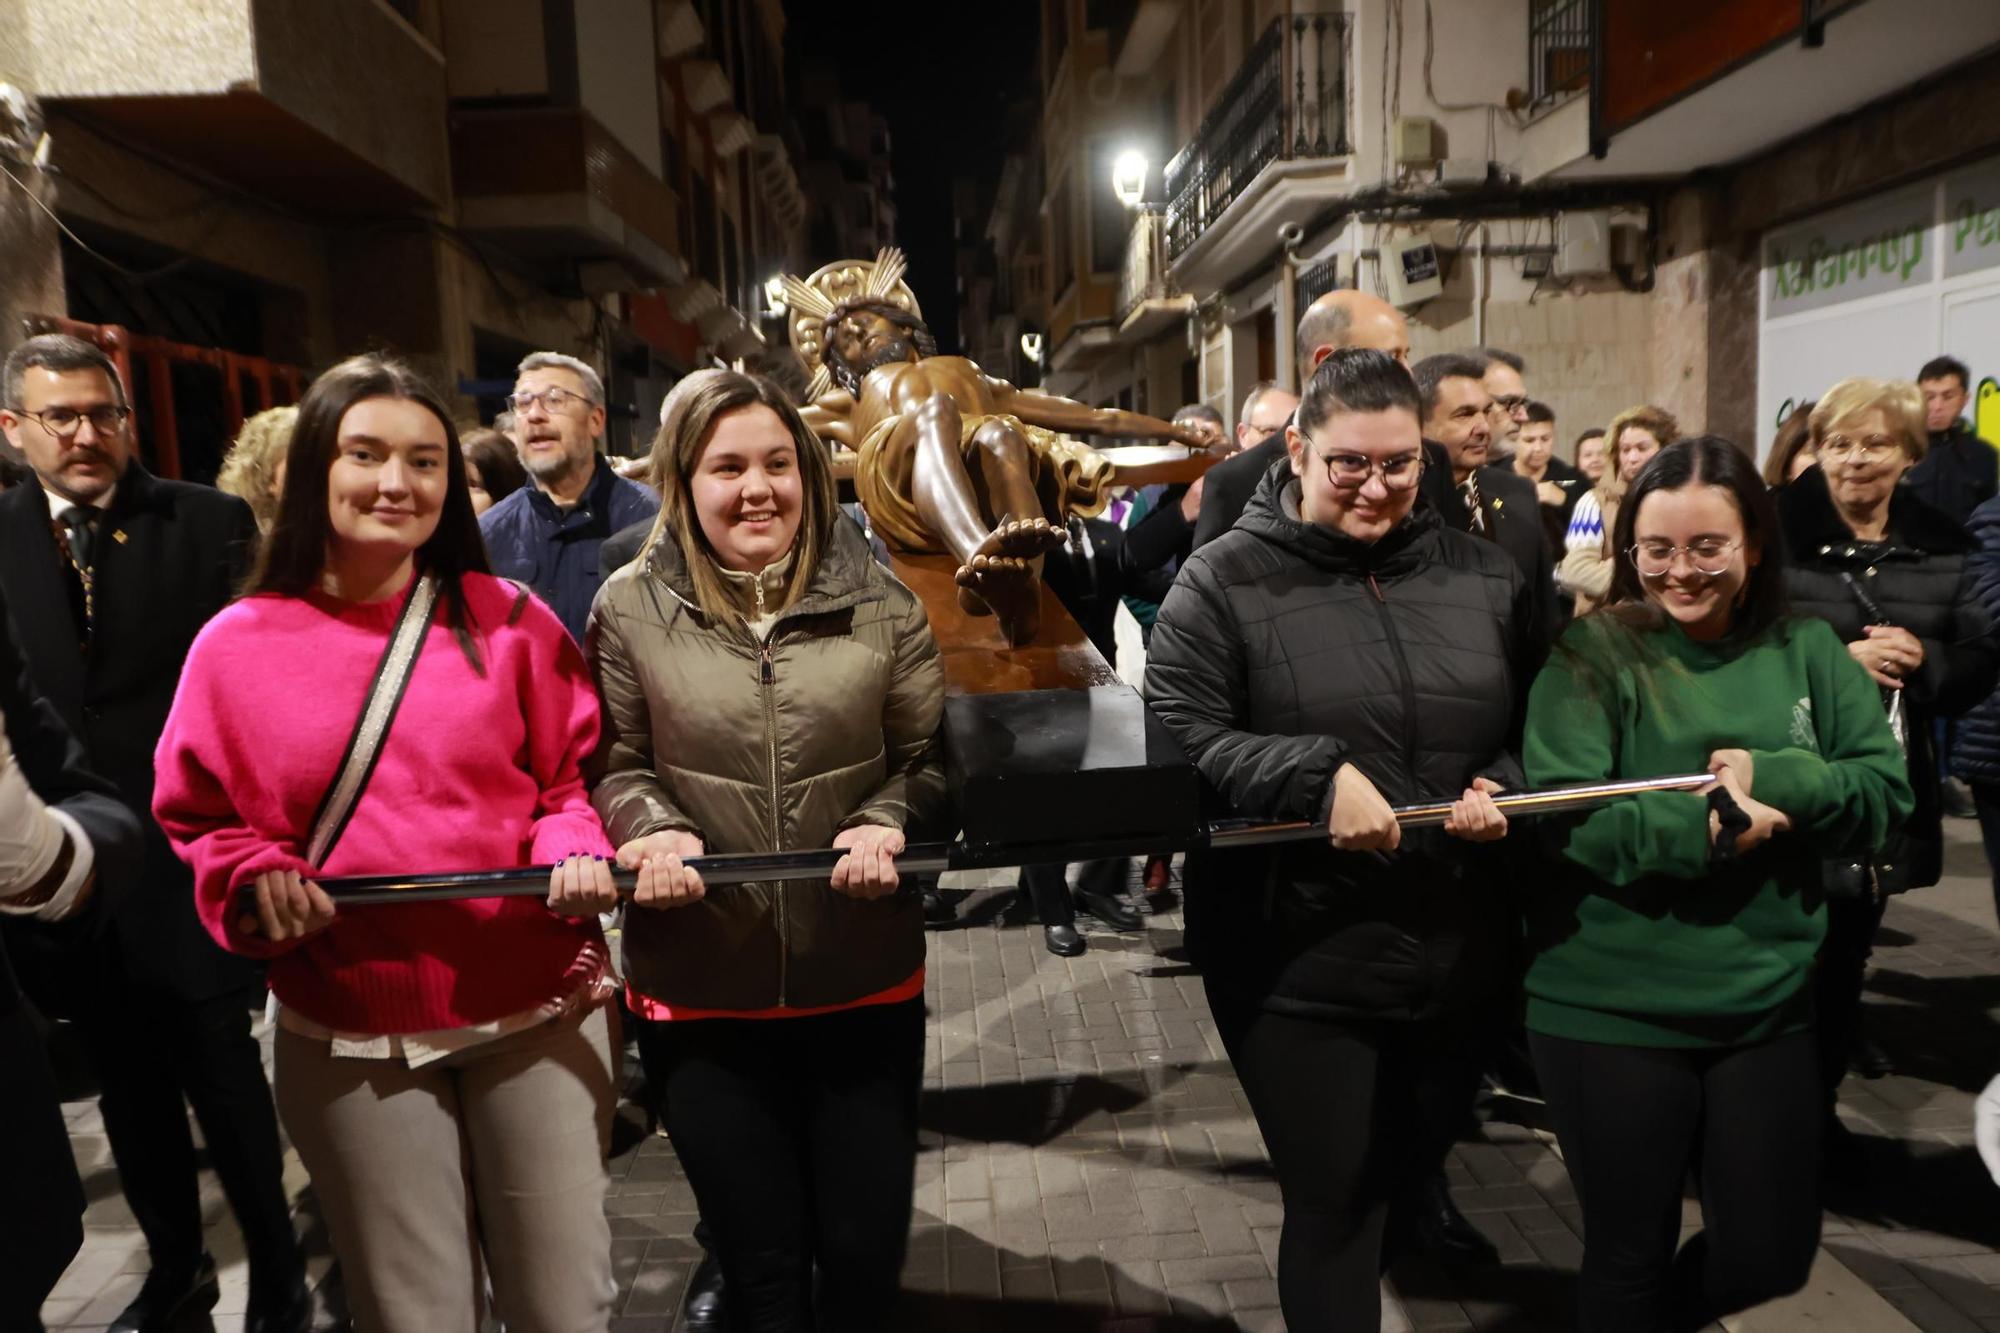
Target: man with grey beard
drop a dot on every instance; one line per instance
(547, 534)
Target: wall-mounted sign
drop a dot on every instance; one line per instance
(1879, 245)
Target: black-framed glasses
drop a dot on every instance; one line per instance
(553, 400)
(1709, 556)
(1351, 471)
(65, 422)
(1510, 403)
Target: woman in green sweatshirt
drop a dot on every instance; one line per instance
(1668, 1004)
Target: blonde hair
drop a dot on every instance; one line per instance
(1900, 402)
(1655, 421)
(253, 461)
(693, 409)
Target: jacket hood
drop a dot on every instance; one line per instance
(1272, 515)
(845, 577)
(1811, 523)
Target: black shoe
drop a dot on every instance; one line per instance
(706, 1310)
(291, 1311)
(1111, 911)
(938, 911)
(1868, 1060)
(1063, 941)
(1444, 1233)
(167, 1298)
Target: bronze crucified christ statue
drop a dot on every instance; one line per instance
(953, 459)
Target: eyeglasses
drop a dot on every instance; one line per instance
(1708, 556)
(1872, 449)
(65, 422)
(1510, 403)
(1351, 471)
(552, 400)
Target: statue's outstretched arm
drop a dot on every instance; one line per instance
(831, 417)
(1065, 414)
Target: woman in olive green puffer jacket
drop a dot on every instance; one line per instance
(767, 686)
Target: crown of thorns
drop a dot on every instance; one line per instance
(836, 287)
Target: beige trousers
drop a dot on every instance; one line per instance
(498, 1149)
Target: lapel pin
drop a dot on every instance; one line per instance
(120, 537)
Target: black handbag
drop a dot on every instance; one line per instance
(1897, 865)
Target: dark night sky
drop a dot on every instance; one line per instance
(941, 73)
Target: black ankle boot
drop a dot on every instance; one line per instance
(706, 1312)
(1444, 1232)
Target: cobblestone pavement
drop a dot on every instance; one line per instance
(1088, 1161)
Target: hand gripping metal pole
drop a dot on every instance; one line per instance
(727, 868)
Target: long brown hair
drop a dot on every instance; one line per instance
(294, 556)
(697, 403)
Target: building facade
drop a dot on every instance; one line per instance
(1622, 192)
(250, 185)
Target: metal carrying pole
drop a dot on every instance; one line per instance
(924, 858)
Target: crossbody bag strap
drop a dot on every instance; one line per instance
(371, 729)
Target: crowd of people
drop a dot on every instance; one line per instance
(388, 647)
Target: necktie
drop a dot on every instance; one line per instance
(1477, 520)
(80, 529)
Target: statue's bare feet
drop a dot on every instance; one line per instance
(1009, 586)
(1024, 538)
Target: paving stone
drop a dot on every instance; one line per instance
(1097, 1151)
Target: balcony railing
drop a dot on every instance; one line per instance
(1145, 275)
(1315, 282)
(1288, 101)
(1559, 42)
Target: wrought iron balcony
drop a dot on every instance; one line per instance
(1288, 101)
(1145, 274)
(1560, 37)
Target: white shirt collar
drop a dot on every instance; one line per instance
(62, 504)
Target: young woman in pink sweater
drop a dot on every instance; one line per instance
(446, 1070)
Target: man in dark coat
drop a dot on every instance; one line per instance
(1471, 495)
(110, 573)
(1960, 471)
(1337, 319)
(51, 799)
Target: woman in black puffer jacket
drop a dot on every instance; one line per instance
(1975, 751)
(1889, 573)
(1337, 651)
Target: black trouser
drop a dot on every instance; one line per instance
(1986, 803)
(799, 1136)
(1837, 979)
(41, 1204)
(150, 1050)
(1356, 1115)
(1633, 1121)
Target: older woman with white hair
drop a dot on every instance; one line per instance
(1890, 574)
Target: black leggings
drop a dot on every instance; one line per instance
(799, 1136)
(1356, 1115)
(1633, 1121)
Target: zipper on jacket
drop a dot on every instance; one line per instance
(767, 675)
(1409, 747)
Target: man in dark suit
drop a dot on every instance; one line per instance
(1337, 319)
(69, 844)
(110, 573)
(1471, 495)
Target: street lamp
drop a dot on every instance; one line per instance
(1031, 347)
(774, 293)
(1128, 177)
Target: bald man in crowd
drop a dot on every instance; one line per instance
(1338, 319)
